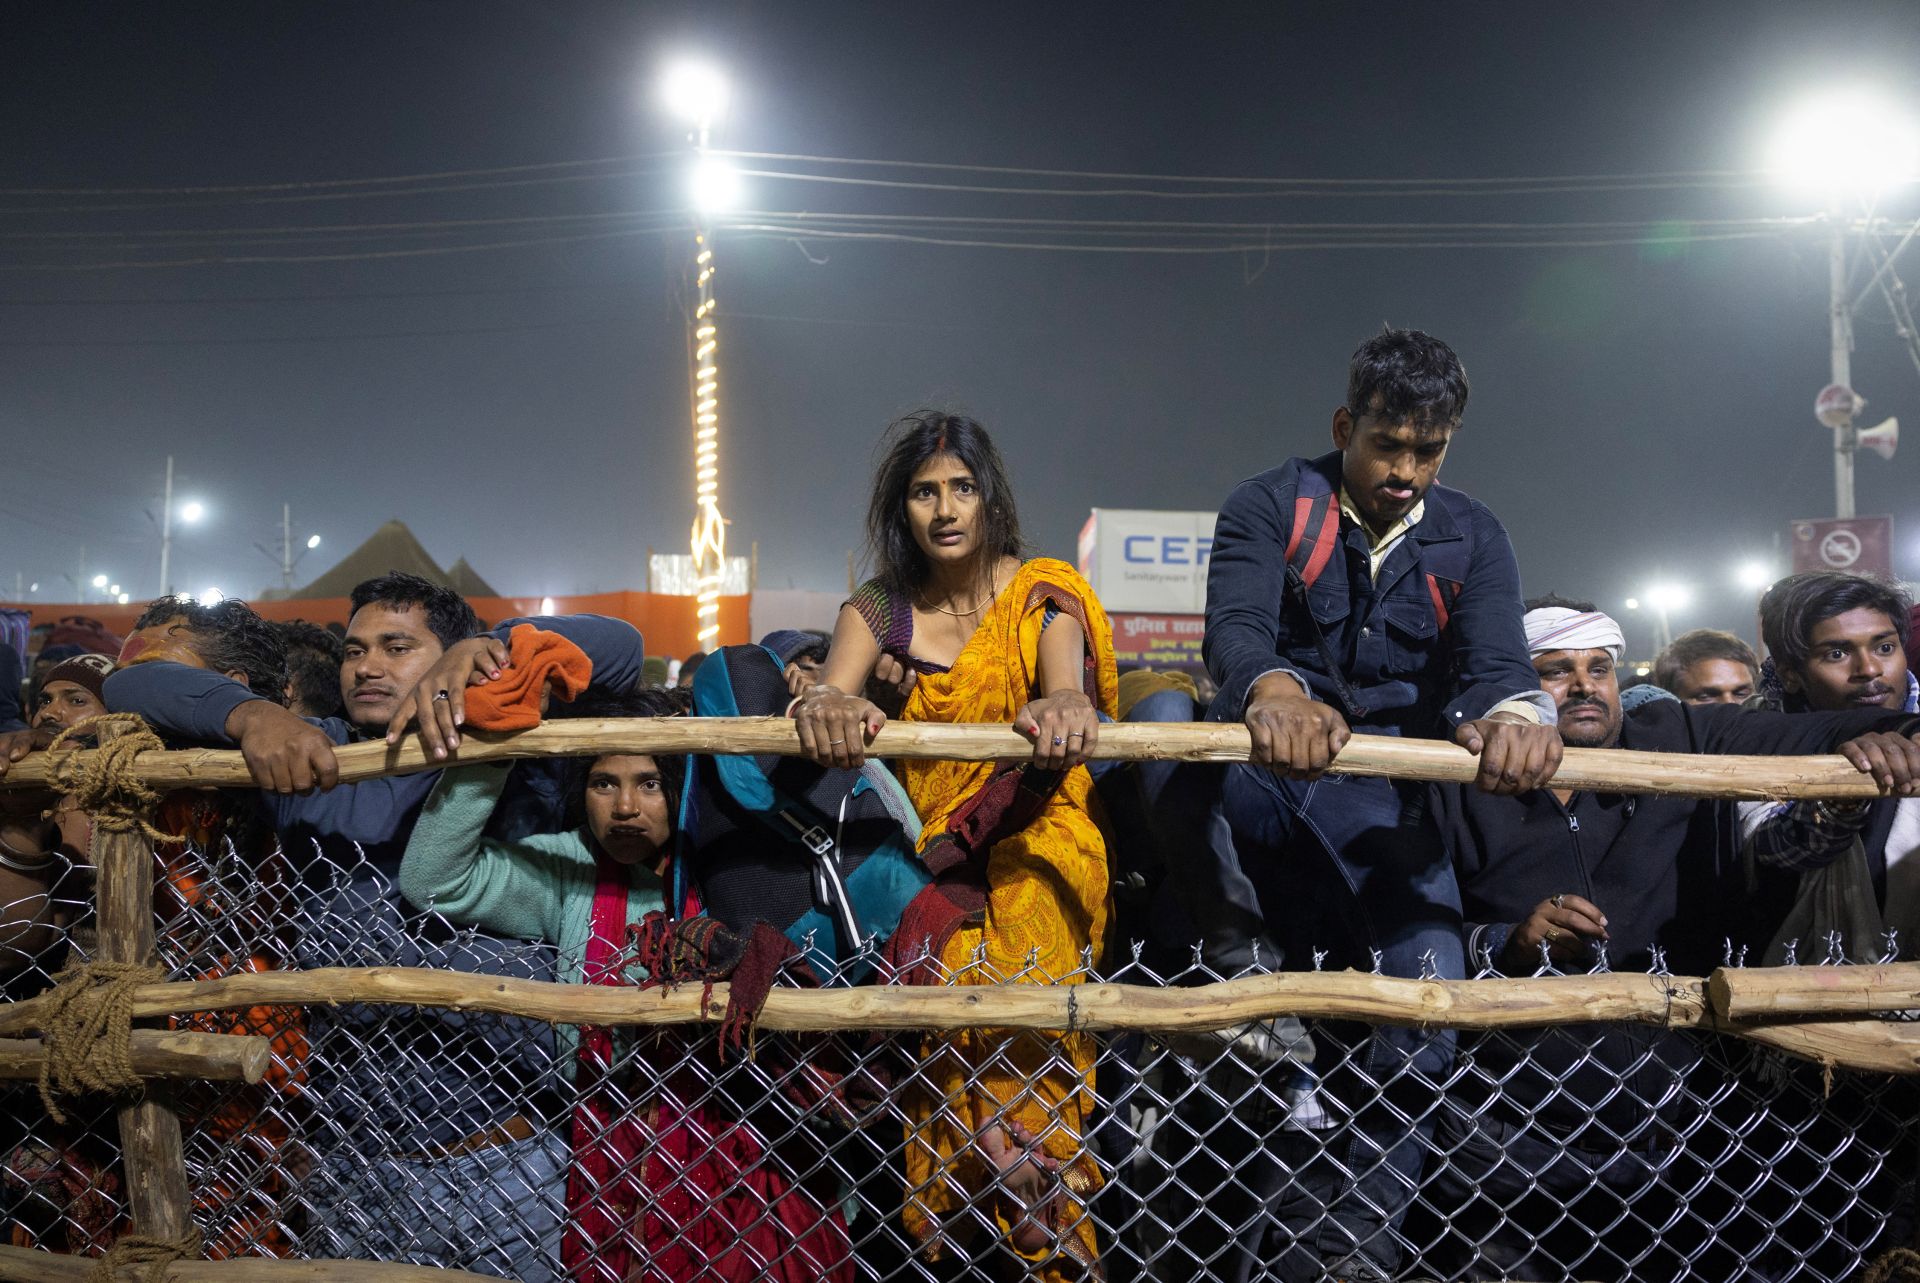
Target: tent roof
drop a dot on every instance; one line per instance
(391, 547)
(466, 581)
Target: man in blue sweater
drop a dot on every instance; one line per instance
(434, 1112)
(1351, 594)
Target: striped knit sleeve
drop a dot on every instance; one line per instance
(889, 619)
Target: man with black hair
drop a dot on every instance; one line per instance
(226, 638)
(1707, 666)
(1572, 1116)
(1838, 641)
(455, 1104)
(1351, 593)
(313, 669)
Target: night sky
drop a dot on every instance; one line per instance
(1638, 411)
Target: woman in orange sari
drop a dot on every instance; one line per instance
(997, 1119)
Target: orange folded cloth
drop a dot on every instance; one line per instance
(511, 702)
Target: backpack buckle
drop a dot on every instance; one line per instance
(811, 836)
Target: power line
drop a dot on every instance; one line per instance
(429, 176)
(232, 260)
(1744, 177)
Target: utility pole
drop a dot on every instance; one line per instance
(1840, 320)
(286, 546)
(166, 534)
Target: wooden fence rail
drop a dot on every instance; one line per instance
(1606, 770)
(1675, 1002)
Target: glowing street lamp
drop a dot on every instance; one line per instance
(99, 581)
(696, 92)
(1847, 147)
(1753, 575)
(1665, 598)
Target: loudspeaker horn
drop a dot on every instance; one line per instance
(1881, 439)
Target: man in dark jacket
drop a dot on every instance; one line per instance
(1583, 1113)
(1350, 593)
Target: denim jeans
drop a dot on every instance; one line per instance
(1351, 868)
(494, 1211)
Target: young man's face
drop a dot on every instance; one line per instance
(64, 705)
(388, 650)
(1586, 690)
(1387, 467)
(1714, 681)
(1854, 660)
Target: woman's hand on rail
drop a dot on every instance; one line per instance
(439, 701)
(1893, 761)
(835, 728)
(1063, 728)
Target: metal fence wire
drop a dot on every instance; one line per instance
(514, 1148)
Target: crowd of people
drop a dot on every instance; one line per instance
(1348, 594)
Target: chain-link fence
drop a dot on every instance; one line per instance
(513, 1147)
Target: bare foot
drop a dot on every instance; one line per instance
(1028, 1184)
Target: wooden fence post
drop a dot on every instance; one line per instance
(156, 1167)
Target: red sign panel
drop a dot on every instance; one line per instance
(1855, 545)
(1159, 641)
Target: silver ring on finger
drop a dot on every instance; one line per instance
(1077, 735)
(438, 696)
(830, 742)
(1058, 740)
(1559, 901)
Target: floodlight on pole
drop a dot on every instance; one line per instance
(1632, 603)
(99, 581)
(1847, 143)
(313, 541)
(192, 511)
(714, 186)
(694, 91)
(1665, 598)
(1846, 147)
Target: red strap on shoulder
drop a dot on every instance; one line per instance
(1302, 514)
(1324, 540)
(1444, 593)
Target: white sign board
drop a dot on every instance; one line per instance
(1140, 559)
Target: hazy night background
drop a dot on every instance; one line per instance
(1639, 411)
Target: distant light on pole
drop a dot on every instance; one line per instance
(124, 599)
(99, 581)
(694, 91)
(192, 511)
(313, 541)
(1753, 575)
(113, 590)
(1669, 596)
(211, 597)
(1850, 142)
(1633, 603)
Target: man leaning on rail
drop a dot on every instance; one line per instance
(1350, 593)
(1583, 1119)
(432, 1130)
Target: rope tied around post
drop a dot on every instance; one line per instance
(105, 782)
(156, 1253)
(86, 1031)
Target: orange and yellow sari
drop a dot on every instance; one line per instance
(1047, 904)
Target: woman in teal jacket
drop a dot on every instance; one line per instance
(663, 1185)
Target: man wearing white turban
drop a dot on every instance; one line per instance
(1581, 878)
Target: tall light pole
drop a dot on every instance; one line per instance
(1848, 147)
(1840, 361)
(697, 93)
(166, 534)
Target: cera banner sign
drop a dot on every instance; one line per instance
(1158, 641)
(1147, 560)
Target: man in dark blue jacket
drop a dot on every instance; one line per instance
(1350, 593)
(432, 1108)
